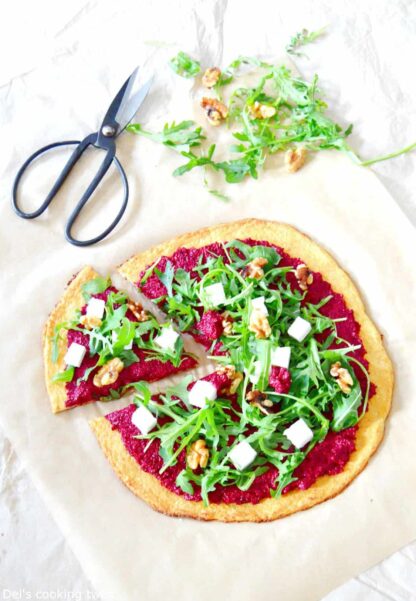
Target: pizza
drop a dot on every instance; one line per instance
(301, 389)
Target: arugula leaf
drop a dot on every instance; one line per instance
(264, 349)
(86, 374)
(180, 137)
(55, 341)
(346, 409)
(166, 277)
(95, 286)
(184, 484)
(184, 65)
(196, 161)
(128, 357)
(252, 252)
(64, 376)
(302, 38)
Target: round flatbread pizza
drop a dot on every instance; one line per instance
(298, 401)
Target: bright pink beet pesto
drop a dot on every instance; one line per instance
(327, 458)
(145, 369)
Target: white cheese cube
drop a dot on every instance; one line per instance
(299, 329)
(167, 338)
(255, 374)
(258, 304)
(143, 419)
(299, 433)
(95, 307)
(128, 347)
(75, 354)
(201, 392)
(242, 455)
(281, 356)
(215, 294)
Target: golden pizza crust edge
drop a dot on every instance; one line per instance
(71, 300)
(371, 427)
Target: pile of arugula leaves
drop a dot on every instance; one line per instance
(314, 394)
(300, 118)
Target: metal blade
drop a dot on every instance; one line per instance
(128, 100)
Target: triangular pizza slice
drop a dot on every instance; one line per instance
(97, 342)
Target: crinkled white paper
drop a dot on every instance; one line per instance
(125, 548)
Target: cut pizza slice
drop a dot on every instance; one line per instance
(309, 381)
(97, 342)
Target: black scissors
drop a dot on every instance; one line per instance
(121, 111)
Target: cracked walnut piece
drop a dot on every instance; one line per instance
(109, 373)
(295, 159)
(198, 454)
(227, 323)
(139, 313)
(342, 377)
(215, 110)
(233, 375)
(211, 77)
(262, 111)
(254, 268)
(90, 321)
(260, 400)
(303, 276)
(259, 324)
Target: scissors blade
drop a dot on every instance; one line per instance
(128, 100)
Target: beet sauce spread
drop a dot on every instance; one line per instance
(327, 458)
(144, 369)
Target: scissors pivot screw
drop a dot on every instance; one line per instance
(108, 131)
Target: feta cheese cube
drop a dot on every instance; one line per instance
(258, 304)
(128, 347)
(95, 307)
(75, 354)
(242, 455)
(281, 356)
(215, 294)
(201, 392)
(299, 329)
(143, 419)
(255, 374)
(167, 339)
(299, 433)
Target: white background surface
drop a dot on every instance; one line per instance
(365, 65)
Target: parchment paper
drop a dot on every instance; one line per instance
(127, 550)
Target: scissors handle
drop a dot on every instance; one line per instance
(109, 146)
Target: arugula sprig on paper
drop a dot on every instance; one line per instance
(300, 118)
(301, 39)
(184, 65)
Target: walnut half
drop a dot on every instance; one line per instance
(90, 321)
(198, 454)
(303, 276)
(211, 77)
(215, 110)
(259, 324)
(254, 269)
(109, 373)
(233, 375)
(295, 159)
(262, 111)
(227, 323)
(342, 377)
(139, 313)
(260, 400)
